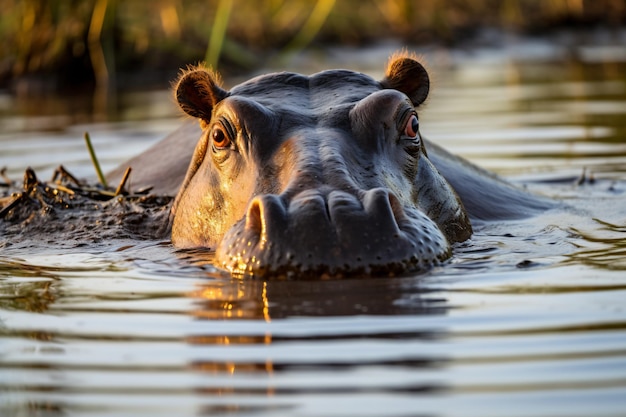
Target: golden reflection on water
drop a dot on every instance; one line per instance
(231, 300)
(604, 248)
(32, 296)
(26, 287)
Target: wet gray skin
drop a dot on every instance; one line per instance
(327, 174)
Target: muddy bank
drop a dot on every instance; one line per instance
(68, 213)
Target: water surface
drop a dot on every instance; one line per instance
(528, 319)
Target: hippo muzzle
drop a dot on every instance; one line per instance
(325, 222)
(315, 176)
(335, 234)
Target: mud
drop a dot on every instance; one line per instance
(68, 213)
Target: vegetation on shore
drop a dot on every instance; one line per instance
(75, 43)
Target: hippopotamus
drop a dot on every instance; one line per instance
(288, 175)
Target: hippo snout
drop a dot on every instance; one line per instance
(334, 234)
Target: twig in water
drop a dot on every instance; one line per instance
(19, 197)
(64, 173)
(144, 190)
(30, 180)
(3, 174)
(123, 182)
(64, 189)
(94, 160)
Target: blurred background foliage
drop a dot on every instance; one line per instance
(60, 45)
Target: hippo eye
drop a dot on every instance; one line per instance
(220, 138)
(412, 126)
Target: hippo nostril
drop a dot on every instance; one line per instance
(266, 216)
(342, 205)
(380, 204)
(254, 221)
(396, 208)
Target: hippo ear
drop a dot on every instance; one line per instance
(197, 92)
(407, 75)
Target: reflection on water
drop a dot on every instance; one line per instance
(528, 319)
(267, 300)
(605, 247)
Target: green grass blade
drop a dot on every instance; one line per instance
(94, 160)
(218, 33)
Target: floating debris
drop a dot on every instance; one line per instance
(70, 208)
(122, 184)
(73, 209)
(7, 181)
(11, 202)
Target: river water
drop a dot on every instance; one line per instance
(528, 319)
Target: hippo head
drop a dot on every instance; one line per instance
(323, 175)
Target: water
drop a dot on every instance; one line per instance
(528, 319)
